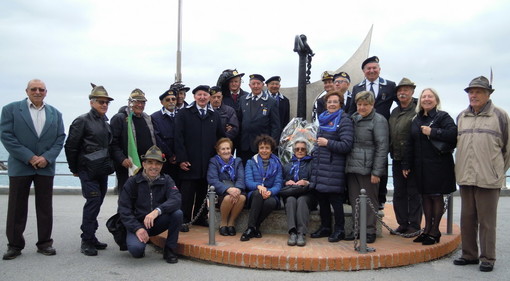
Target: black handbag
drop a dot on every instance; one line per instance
(293, 190)
(442, 147)
(118, 230)
(98, 163)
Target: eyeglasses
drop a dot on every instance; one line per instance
(170, 99)
(340, 81)
(35, 89)
(103, 102)
(138, 101)
(298, 149)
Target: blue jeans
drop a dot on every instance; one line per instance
(168, 221)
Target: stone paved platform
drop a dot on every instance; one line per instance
(272, 252)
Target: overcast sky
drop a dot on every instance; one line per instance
(126, 44)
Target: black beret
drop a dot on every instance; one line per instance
(168, 92)
(215, 89)
(369, 60)
(202, 88)
(257, 77)
(342, 74)
(274, 78)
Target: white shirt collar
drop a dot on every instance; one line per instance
(32, 105)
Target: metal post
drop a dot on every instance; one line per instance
(212, 215)
(363, 221)
(178, 74)
(449, 217)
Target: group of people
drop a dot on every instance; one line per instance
(165, 161)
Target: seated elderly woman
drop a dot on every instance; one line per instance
(298, 200)
(226, 174)
(263, 178)
(367, 161)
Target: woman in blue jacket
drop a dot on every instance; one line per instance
(263, 178)
(226, 174)
(334, 141)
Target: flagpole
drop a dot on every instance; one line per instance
(178, 74)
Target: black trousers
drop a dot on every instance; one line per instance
(167, 221)
(383, 190)
(406, 199)
(260, 208)
(193, 193)
(326, 201)
(122, 176)
(17, 210)
(94, 191)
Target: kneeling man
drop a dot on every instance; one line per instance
(149, 204)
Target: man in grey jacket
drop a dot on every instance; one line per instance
(482, 159)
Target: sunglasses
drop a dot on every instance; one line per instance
(297, 149)
(35, 89)
(103, 102)
(170, 99)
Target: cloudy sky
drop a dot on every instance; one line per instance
(126, 44)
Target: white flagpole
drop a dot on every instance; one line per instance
(178, 74)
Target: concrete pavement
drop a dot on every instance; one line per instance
(111, 264)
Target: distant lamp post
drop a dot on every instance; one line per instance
(305, 64)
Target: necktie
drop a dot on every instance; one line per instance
(234, 96)
(372, 88)
(202, 112)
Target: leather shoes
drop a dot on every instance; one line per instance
(223, 231)
(301, 240)
(88, 248)
(231, 231)
(248, 234)
(11, 254)
(412, 230)
(170, 256)
(257, 233)
(321, 232)
(336, 236)
(463, 261)
(420, 238)
(100, 245)
(400, 230)
(184, 228)
(48, 251)
(292, 239)
(371, 238)
(486, 266)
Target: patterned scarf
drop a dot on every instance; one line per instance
(296, 163)
(227, 167)
(271, 169)
(329, 121)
